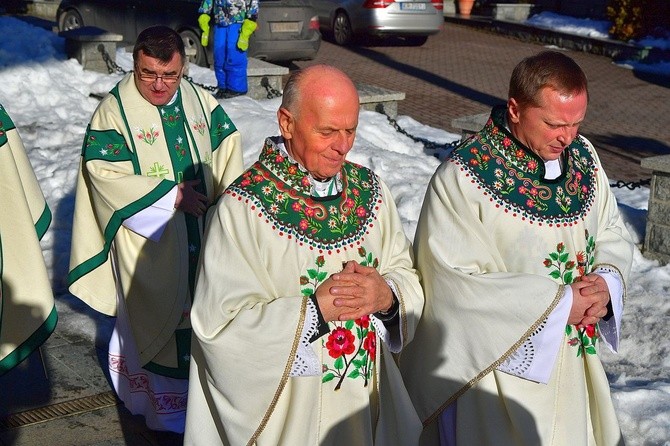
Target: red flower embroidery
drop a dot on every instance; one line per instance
(340, 342)
(370, 344)
(360, 211)
(296, 206)
(363, 322)
(590, 330)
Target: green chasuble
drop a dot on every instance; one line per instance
(134, 153)
(27, 311)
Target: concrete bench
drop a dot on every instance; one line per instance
(87, 44)
(379, 99)
(657, 236)
(469, 125)
(263, 78)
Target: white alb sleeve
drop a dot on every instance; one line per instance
(151, 221)
(535, 359)
(306, 362)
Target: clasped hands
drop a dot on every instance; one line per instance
(590, 297)
(189, 200)
(354, 292)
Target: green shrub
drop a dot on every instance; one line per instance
(633, 19)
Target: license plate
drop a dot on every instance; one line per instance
(413, 6)
(285, 27)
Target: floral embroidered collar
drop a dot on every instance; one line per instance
(318, 188)
(281, 194)
(514, 176)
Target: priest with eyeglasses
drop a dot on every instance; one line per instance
(157, 154)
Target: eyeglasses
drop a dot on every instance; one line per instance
(166, 78)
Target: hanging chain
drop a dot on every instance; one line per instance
(112, 67)
(271, 92)
(632, 185)
(438, 150)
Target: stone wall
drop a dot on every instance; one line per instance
(657, 237)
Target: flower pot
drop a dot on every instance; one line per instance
(465, 7)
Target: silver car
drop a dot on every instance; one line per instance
(413, 20)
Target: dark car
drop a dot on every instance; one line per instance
(287, 29)
(411, 20)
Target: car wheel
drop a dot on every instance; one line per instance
(342, 32)
(71, 19)
(194, 50)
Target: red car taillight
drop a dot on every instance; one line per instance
(314, 23)
(438, 4)
(370, 4)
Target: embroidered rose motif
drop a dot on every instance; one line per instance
(370, 344)
(590, 330)
(363, 322)
(340, 342)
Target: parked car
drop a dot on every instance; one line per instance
(287, 29)
(413, 20)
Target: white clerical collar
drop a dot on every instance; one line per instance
(552, 168)
(327, 188)
(174, 98)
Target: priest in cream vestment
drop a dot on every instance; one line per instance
(305, 292)
(27, 311)
(158, 151)
(524, 259)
